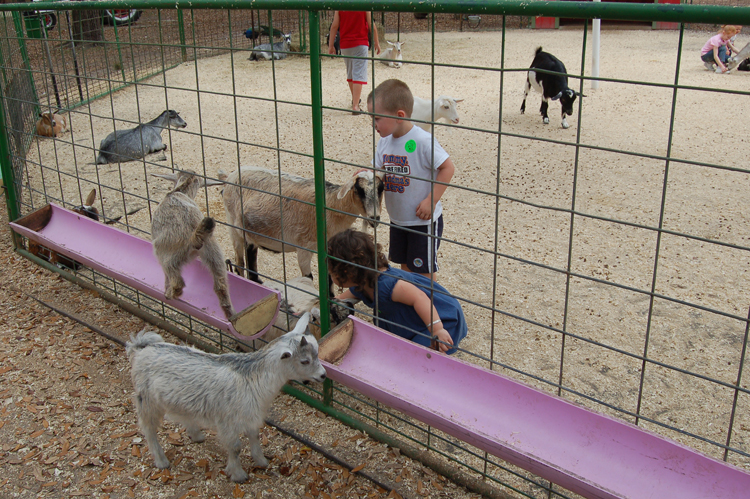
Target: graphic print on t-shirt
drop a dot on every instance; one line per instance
(397, 166)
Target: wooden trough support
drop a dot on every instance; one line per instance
(588, 453)
(130, 259)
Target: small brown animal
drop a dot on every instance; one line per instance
(50, 124)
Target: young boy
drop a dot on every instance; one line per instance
(411, 157)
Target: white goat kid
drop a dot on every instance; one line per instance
(180, 233)
(231, 392)
(392, 55)
(444, 107)
(254, 203)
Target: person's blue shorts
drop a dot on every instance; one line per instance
(709, 56)
(414, 247)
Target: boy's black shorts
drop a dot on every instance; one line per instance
(414, 246)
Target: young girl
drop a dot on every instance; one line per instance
(715, 49)
(403, 298)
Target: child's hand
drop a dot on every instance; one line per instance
(445, 337)
(424, 209)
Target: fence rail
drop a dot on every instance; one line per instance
(606, 264)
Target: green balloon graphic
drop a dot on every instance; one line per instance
(410, 146)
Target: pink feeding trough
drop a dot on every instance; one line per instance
(130, 259)
(588, 453)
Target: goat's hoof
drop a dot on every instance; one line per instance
(239, 477)
(546, 121)
(162, 464)
(565, 125)
(197, 436)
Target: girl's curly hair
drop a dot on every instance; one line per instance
(355, 258)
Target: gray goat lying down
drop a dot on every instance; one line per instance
(280, 49)
(231, 392)
(135, 143)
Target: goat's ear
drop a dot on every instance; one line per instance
(580, 94)
(222, 175)
(390, 43)
(286, 354)
(458, 100)
(91, 197)
(380, 174)
(168, 176)
(302, 323)
(557, 96)
(209, 182)
(344, 190)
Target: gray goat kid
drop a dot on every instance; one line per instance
(231, 392)
(180, 233)
(135, 143)
(280, 49)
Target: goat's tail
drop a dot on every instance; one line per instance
(202, 232)
(141, 340)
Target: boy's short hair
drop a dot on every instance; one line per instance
(393, 95)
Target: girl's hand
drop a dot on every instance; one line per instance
(444, 337)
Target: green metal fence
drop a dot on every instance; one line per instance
(606, 263)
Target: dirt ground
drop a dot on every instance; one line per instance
(231, 122)
(68, 426)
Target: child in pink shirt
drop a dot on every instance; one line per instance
(715, 49)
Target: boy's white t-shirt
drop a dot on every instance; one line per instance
(411, 154)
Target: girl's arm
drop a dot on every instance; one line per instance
(444, 175)
(408, 294)
(346, 295)
(332, 33)
(375, 39)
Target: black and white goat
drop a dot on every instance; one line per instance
(551, 86)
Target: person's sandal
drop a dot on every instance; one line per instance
(360, 110)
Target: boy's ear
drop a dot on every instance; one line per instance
(401, 113)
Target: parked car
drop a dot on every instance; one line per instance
(112, 17)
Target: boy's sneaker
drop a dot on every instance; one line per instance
(709, 66)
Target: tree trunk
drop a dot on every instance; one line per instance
(87, 26)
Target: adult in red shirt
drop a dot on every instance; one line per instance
(354, 28)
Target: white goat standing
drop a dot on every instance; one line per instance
(444, 107)
(392, 55)
(254, 208)
(180, 233)
(231, 392)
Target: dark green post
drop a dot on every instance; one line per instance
(6, 168)
(181, 28)
(320, 183)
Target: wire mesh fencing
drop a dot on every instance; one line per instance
(605, 263)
